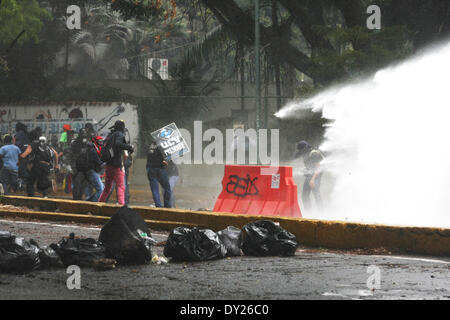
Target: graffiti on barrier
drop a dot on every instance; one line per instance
(242, 187)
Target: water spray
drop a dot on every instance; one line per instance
(388, 143)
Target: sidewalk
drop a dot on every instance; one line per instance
(186, 197)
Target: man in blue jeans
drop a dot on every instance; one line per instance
(172, 172)
(157, 175)
(93, 174)
(9, 173)
(89, 165)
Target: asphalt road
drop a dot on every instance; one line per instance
(310, 274)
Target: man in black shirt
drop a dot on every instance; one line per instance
(115, 144)
(22, 141)
(77, 157)
(157, 174)
(88, 165)
(41, 159)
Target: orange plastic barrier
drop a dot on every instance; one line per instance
(258, 190)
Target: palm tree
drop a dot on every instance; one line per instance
(103, 41)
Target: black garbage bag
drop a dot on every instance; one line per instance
(17, 255)
(265, 238)
(83, 252)
(49, 258)
(231, 239)
(127, 238)
(184, 244)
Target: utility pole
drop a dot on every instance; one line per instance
(66, 61)
(276, 60)
(258, 71)
(258, 77)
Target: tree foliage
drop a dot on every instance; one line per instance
(335, 32)
(145, 9)
(21, 15)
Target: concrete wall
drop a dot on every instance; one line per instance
(52, 117)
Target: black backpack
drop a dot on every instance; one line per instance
(44, 153)
(82, 161)
(107, 152)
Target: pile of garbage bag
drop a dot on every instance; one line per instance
(259, 238)
(124, 239)
(20, 256)
(17, 255)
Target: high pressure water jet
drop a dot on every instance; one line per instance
(388, 143)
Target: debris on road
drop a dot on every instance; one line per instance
(13, 208)
(104, 264)
(159, 260)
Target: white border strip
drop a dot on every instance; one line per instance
(63, 225)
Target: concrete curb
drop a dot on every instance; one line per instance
(310, 232)
(84, 218)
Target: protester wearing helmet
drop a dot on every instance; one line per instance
(41, 162)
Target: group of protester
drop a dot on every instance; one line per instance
(87, 159)
(26, 161)
(89, 166)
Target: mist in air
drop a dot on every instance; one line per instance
(388, 144)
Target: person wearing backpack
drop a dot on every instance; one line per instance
(111, 154)
(41, 161)
(127, 165)
(88, 166)
(313, 173)
(80, 165)
(22, 141)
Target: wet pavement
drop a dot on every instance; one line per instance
(310, 274)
